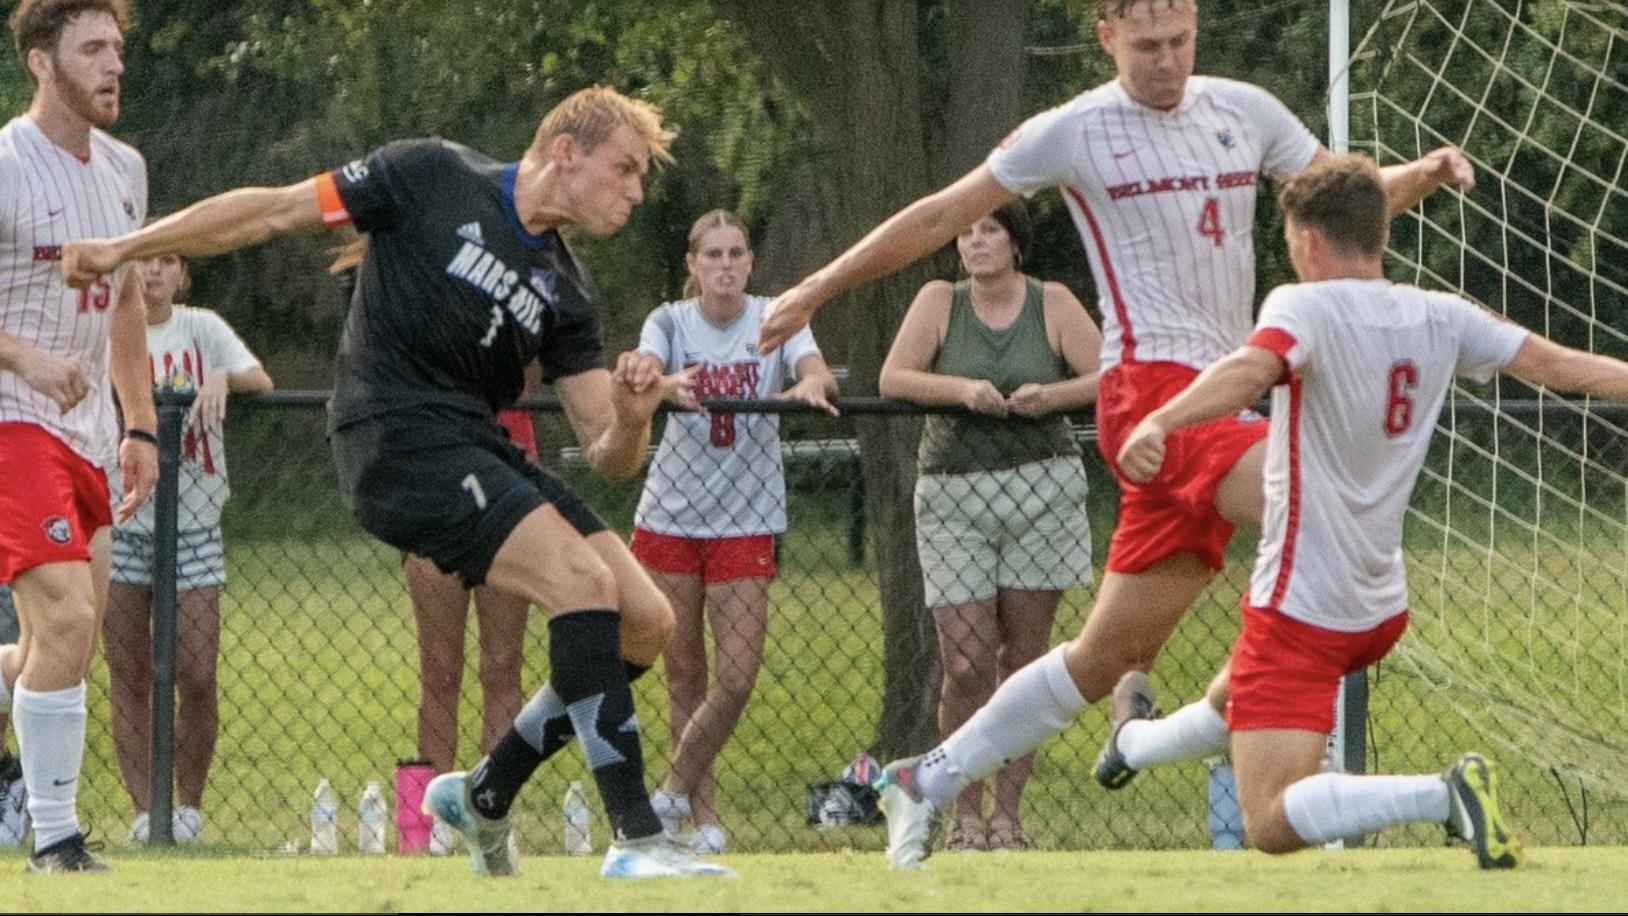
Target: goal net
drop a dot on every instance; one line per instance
(1518, 536)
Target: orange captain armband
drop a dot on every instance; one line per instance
(333, 209)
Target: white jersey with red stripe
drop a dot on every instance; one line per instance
(49, 197)
(1165, 204)
(1368, 364)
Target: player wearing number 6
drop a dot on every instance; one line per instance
(1158, 168)
(1359, 368)
(465, 280)
(713, 502)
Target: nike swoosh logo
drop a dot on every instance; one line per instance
(64, 782)
(1124, 154)
(53, 214)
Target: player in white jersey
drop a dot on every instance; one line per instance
(1158, 169)
(62, 178)
(714, 499)
(1359, 368)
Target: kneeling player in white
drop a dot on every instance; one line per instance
(1361, 367)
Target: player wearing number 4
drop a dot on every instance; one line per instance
(464, 281)
(1359, 368)
(1158, 168)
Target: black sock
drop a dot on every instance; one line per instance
(540, 730)
(587, 671)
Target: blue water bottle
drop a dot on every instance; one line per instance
(1226, 818)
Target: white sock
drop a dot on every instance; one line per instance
(1035, 703)
(5, 686)
(1191, 732)
(1329, 806)
(50, 730)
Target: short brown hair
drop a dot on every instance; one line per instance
(1119, 9)
(1342, 197)
(39, 23)
(592, 115)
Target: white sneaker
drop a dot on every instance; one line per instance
(657, 856)
(491, 844)
(442, 838)
(671, 809)
(140, 829)
(708, 840)
(186, 824)
(910, 816)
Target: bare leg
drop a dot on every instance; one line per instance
(685, 660)
(1025, 619)
(127, 631)
(502, 644)
(1266, 762)
(441, 606)
(197, 723)
(968, 643)
(1134, 615)
(739, 613)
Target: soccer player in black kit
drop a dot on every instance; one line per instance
(463, 282)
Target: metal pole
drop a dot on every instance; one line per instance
(1348, 745)
(172, 414)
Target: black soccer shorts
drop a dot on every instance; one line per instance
(449, 488)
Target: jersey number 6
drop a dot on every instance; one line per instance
(1399, 407)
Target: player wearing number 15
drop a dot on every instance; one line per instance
(713, 502)
(464, 281)
(61, 178)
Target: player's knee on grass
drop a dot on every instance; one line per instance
(1269, 830)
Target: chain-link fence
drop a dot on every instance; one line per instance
(318, 668)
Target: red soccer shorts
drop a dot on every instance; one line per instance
(1175, 511)
(713, 559)
(52, 502)
(1286, 673)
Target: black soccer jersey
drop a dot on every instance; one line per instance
(454, 297)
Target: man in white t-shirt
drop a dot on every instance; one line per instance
(188, 349)
(1158, 168)
(1359, 368)
(62, 353)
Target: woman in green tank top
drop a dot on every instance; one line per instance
(1000, 493)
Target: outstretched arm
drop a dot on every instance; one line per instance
(906, 236)
(1226, 387)
(225, 222)
(1541, 361)
(1407, 184)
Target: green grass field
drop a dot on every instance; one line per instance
(1365, 880)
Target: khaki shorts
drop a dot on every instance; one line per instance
(1022, 527)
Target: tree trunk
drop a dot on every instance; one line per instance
(856, 65)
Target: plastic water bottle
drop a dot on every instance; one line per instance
(1226, 818)
(370, 817)
(324, 820)
(578, 840)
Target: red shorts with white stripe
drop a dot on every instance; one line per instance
(1175, 511)
(713, 559)
(1286, 672)
(52, 503)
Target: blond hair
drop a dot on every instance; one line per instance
(592, 115)
(709, 221)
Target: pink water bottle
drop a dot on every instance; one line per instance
(412, 825)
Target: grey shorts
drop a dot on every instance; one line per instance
(200, 559)
(1020, 528)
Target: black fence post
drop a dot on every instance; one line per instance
(172, 414)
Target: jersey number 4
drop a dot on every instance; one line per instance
(1209, 221)
(97, 296)
(1399, 406)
